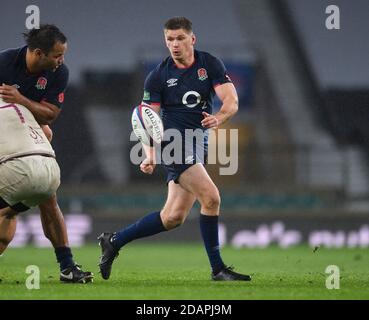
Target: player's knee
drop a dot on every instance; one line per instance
(174, 220)
(211, 202)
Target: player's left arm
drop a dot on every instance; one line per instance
(44, 112)
(227, 94)
(47, 110)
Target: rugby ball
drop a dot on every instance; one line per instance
(147, 125)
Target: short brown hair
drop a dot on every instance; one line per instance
(176, 23)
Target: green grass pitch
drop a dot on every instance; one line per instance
(180, 271)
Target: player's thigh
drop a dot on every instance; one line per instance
(179, 202)
(197, 181)
(50, 206)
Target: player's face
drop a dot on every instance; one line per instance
(180, 44)
(55, 58)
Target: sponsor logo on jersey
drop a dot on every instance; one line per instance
(146, 95)
(36, 136)
(172, 82)
(191, 93)
(41, 83)
(203, 75)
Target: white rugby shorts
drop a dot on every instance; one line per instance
(29, 180)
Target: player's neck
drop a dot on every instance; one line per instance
(31, 68)
(185, 63)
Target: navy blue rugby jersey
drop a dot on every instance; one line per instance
(184, 93)
(46, 86)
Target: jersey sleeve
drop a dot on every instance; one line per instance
(2, 75)
(217, 71)
(55, 94)
(4, 61)
(152, 88)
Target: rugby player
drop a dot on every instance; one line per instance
(183, 87)
(36, 77)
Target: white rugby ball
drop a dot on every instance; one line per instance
(147, 125)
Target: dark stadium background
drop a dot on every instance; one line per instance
(303, 121)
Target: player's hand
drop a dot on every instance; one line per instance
(11, 94)
(209, 121)
(47, 131)
(147, 166)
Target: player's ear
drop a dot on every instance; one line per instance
(166, 42)
(38, 52)
(165, 39)
(193, 39)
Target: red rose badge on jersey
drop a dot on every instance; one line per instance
(203, 75)
(41, 83)
(61, 97)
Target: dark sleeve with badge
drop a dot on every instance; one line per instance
(48, 86)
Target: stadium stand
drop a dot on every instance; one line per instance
(303, 133)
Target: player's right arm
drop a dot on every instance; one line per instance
(151, 98)
(47, 131)
(47, 110)
(44, 112)
(148, 165)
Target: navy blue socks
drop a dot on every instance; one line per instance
(209, 232)
(64, 257)
(147, 226)
(152, 224)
